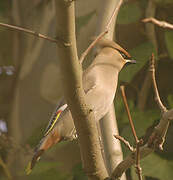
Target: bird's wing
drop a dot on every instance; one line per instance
(61, 106)
(89, 80)
(89, 85)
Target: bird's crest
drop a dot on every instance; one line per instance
(108, 43)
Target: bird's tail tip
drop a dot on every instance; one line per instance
(28, 168)
(32, 163)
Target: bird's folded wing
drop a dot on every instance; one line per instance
(55, 116)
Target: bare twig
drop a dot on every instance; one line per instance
(84, 54)
(128, 113)
(158, 136)
(138, 143)
(162, 24)
(29, 32)
(112, 152)
(157, 97)
(126, 143)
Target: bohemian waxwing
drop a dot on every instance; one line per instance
(99, 83)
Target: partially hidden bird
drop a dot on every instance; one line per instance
(99, 83)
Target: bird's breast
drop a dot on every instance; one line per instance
(101, 95)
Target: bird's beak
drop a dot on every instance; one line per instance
(130, 61)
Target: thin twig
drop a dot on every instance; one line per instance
(138, 143)
(162, 24)
(157, 97)
(126, 143)
(7, 172)
(158, 136)
(128, 113)
(29, 32)
(84, 54)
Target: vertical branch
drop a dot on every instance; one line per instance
(108, 124)
(16, 48)
(137, 163)
(150, 31)
(107, 29)
(23, 59)
(16, 41)
(73, 91)
(112, 148)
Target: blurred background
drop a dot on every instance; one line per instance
(30, 84)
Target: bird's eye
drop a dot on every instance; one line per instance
(124, 55)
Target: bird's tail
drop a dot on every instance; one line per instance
(50, 138)
(35, 158)
(39, 150)
(46, 142)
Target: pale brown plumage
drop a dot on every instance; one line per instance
(100, 83)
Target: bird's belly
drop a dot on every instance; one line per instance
(100, 101)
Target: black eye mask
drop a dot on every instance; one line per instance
(128, 58)
(123, 54)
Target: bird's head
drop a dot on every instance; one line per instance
(120, 57)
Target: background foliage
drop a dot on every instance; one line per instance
(40, 88)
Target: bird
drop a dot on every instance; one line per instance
(99, 84)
